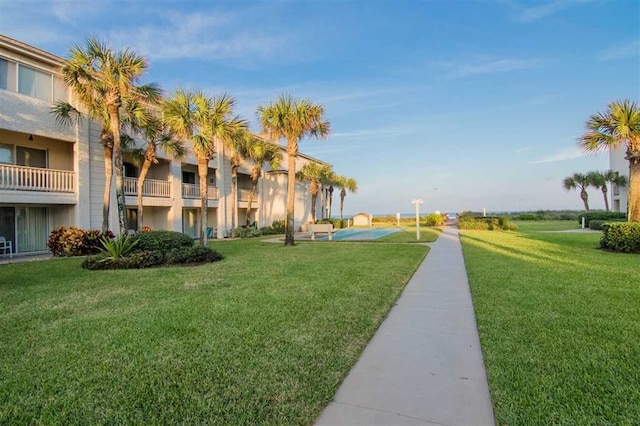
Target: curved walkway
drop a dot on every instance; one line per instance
(424, 365)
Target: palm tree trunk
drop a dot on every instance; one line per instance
(343, 194)
(606, 199)
(140, 185)
(203, 172)
(585, 199)
(108, 178)
(292, 152)
(254, 190)
(633, 204)
(314, 197)
(330, 203)
(114, 119)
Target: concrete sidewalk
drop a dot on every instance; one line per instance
(424, 364)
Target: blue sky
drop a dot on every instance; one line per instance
(465, 104)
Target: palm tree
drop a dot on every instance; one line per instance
(292, 119)
(314, 173)
(328, 182)
(202, 121)
(601, 181)
(578, 180)
(156, 136)
(261, 153)
(102, 81)
(619, 125)
(240, 144)
(345, 184)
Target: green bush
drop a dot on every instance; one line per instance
(118, 247)
(530, 216)
(605, 216)
(337, 223)
(621, 237)
(162, 241)
(434, 219)
(137, 260)
(74, 241)
(278, 227)
(193, 255)
(248, 232)
(486, 223)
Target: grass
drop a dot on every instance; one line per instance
(558, 321)
(545, 225)
(262, 337)
(408, 235)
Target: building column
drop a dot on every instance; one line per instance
(82, 168)
(175, 212)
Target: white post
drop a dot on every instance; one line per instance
(582, 222)
(398, 219)
(417, 203)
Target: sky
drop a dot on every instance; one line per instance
(463, 104)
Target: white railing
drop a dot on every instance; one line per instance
(20, 178)
(150, 187)
(243, 195)
(190, 190)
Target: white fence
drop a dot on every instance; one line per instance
(20, 178)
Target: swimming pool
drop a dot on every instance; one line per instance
(361, 233)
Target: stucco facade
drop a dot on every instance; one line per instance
(53, 175)
(620, 165)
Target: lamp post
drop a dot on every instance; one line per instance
(417, 203)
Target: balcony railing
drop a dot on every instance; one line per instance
(243, 195)
(20, 178)
(190, 190)
(150, 187)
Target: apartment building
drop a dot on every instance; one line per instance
(53, 175)
(620, 165)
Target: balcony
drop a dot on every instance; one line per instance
(150, 187)
(20, 178)
(193, 191)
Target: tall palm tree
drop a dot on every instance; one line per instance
(601, 181)
(240, 144)
(619, 125)
(261, 153)
(202, 121)
(328, 183)
(156, 135)
(292, 119)
(345, 184)
(314, 173)
(578, 180)
(102, 81)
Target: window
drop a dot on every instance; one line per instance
(34, 83)
(4, 73)
(189, 177)
(132, 220)
(130, 170)
(31, 157)
(6, 154)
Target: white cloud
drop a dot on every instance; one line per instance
(629, 50)
(563, 155)
(523, 149)
(379, 133)
(202, 35)
(491, 67)
(534, 13)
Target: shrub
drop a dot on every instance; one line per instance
(74, 241)
(137, 260)
(118, 247)
(530, 216)
(162, 241)
(621, 237)
(598, 225)
(248, 232)
(434, 219)
(605, 216)
(193, 255)
(278, 227)
(486, 223)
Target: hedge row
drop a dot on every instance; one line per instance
(486, 223)
(605, 216)
(621, 237)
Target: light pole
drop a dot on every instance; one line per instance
(417, 203)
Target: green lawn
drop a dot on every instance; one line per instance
(408, 235)
(262, 337)
(558, 321)
(545, 225)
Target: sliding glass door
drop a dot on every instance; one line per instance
(32, 229)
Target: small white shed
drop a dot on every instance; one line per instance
(363, 219)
